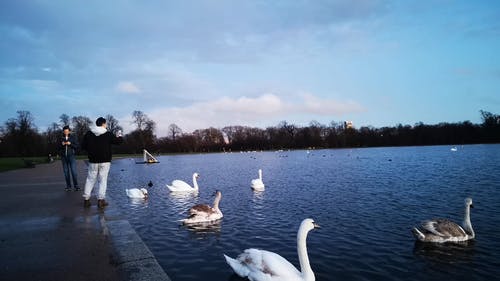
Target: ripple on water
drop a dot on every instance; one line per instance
(365, 204)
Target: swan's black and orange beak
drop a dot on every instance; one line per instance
(316, 225)
(471, 205)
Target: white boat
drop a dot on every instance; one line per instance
(148, 158)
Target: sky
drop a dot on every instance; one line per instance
(255, 63)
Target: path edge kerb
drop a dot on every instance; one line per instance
(134, 260)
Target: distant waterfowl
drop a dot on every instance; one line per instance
(182, 186)
(260, 265)
(257, 184)
(150, 183)
(203, 213)
(454, 148)
(443, 230)
(137, 193)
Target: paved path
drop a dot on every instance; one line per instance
(46, 234)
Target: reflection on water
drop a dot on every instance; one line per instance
(184, 197)
(137, 203)
(203, 229)
(366, 201)
(446, 252)
(258, 195)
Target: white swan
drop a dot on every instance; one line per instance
(204, 213)
(137, 193)
(443, 230)
(182, 186)
(259, 265)
(257, 184)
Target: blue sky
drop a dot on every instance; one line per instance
(218, 63)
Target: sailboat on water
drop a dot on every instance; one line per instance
(148, 158)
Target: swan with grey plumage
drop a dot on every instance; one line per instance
(444, 230)
(203, 213)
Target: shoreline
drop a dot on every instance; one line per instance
(70, 241)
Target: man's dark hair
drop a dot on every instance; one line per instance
(100, 121)
(66, 128)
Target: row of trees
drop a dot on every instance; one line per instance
(20, 137)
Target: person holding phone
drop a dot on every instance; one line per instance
(67, 150)
(97, 142)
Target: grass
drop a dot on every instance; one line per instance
(12, 163)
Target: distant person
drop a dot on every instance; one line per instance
(67, 150)
(97, 142)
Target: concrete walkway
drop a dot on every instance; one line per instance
(46, 234)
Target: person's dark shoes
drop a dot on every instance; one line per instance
(101, 203)
(67, 189)
(77, 188)
(86, 203)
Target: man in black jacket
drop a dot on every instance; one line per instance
(67, 151)
(97, 142)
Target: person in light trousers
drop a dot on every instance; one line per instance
(97, 142)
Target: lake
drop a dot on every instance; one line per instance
(365, 200)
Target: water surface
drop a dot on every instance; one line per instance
(366, 201)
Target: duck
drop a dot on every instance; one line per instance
(150, 184)
(257, 184)
(203, 213)
(137, 193)
(182, 186)
(260, 265)
(443, 230)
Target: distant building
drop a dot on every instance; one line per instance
(348, 125)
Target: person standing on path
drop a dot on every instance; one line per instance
(97, 142)
(67, 150)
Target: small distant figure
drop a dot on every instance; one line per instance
(50, 159)
(67, 150)
(150, 183)
(97, 142)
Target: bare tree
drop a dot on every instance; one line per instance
(112, 124)
(140, 119)
(143, 136)
(25, 121)
(21, 134)
(81, 124)
(64, 120)
(174, 131)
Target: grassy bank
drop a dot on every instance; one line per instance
(12, 163)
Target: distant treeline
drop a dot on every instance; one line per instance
(20, 137)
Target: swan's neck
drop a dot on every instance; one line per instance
(195, 183)
(305, 266)
(260, 175)
(467, 224)
(216, 201)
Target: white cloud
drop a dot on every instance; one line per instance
(248, 111)
(318, 106)
(127, 87)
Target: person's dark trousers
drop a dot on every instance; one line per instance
(69, 168)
